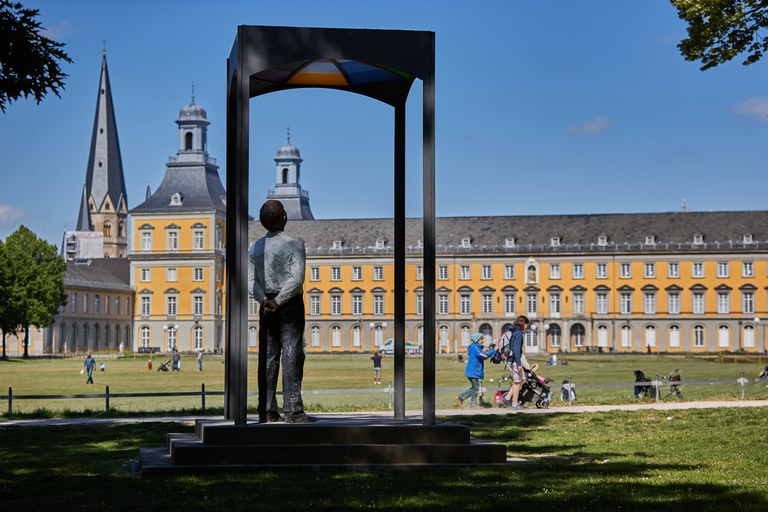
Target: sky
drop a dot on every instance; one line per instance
(552, 107)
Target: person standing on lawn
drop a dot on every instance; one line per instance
(516, 332)
(477, 353)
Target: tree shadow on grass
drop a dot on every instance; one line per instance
(86, 468)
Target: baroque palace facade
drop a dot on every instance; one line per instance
(665, 282)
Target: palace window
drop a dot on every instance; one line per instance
(601, 305)
(378, 273)
(314, 305)
(748, 302)
(442, 304)
(335, 273)
(464, 272)
(649, 304)
(650, 270)
(673, 270)
(357, 273)
(673, 303)
(602, 271)
(578, 303)
(509, 304)
(554, 271)
(748, 269)
(465, 304)
(197, 274)
(698, 269)
(509, 272)
(335, 305)
(625, 270)
(442, 272)
(723, 303)
(197, 305)
(486, 272)
(357, 304)
(198, 238)
(722, 269)
(487, 303)
(314, 274)
(578, 271)
(698, 303)
(626, 303)
(171, 275)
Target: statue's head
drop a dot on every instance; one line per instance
(272, 215)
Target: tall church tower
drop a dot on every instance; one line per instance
(104, 206)
(287, 187)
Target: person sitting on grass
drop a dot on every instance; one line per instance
(477, 353)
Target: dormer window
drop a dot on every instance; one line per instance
(747, 238)
(602, 240)
(698, 238)
(650, 240)
(555, 241)
(337, 244)
(176, 199)
(381, 243)
(466, 242)
(420, 244)
(509, 242)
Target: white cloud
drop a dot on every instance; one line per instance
(59, 30)
(756, 108)
(596, 125)
(10, 215)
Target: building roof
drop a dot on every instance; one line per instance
(112, 274)
(199, 186)
(534, 233)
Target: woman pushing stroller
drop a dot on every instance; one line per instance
(515, 337)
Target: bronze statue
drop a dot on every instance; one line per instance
(277, 265)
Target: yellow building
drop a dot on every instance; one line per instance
(669, 282)
(177, 249)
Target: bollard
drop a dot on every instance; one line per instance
(657, 387)
(389, 394)
(10, 401)
(202, 395)
(106, 394)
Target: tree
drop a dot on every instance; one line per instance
(35, 279)
(719, 30)
(6, 324)
(28, 60)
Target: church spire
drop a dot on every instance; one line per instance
(105, 192)
(84, 217)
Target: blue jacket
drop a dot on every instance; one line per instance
(516, 344)
(476, 361)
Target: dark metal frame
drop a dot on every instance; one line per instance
(258, 48)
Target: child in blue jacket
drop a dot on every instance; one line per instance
(477, 353)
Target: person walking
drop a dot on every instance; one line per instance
(376, 358)
(519, 326)
(89, 364)
(276, 263)
(477, 353)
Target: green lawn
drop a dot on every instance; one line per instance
(354, 372)
(698, 460)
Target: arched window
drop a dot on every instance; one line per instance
(602, 335)
(285, 175)
(73, 339)
(420, 335)
(674, 336)
(723, 336)
(650, 336)
(464, 335)
(577, 335)
(749, 336)
(62, 338)
(487, 331)
(171, 337)
(555, 334)
(145, 340)
(106, 337)
(357, 336)
(107, 229)
(444, 341)
(188, 141)
(198, 336)
(698, 336)
(314, 336)
(96, 331)
(86, 345)
(117, 336)
(626, 336)
(253, 336)
(336, 336)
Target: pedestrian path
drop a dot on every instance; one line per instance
(411, 415)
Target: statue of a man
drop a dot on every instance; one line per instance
(277, 263)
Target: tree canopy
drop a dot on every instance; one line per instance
(33, 283)
(720, 30)
(29, 61)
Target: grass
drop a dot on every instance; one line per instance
(703, 460)
(350, 372)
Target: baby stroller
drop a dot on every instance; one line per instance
(164, 366)
(535, 389)
(644, 386)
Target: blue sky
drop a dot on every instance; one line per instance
(549, 107)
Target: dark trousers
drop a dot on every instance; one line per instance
(283, 336)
